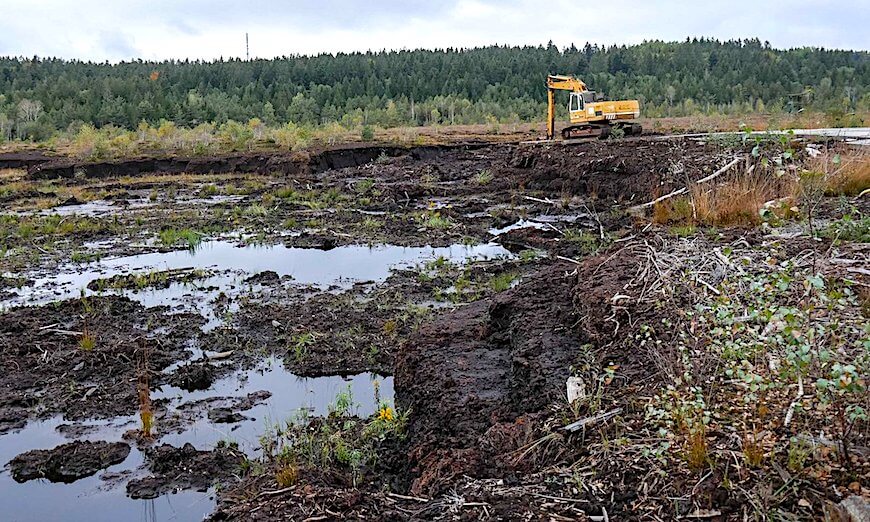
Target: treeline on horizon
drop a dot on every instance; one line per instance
(40, 97)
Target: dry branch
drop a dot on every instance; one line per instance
(594, 419)
(546, 201)
(683, 190)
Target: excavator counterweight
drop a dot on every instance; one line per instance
(590, 115)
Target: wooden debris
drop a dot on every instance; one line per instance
(704, 513)
(407, 497)
(594, 419)
(683, 190)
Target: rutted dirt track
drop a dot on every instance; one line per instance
(484, 368)
(225, 295)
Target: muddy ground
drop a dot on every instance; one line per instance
(482, 276)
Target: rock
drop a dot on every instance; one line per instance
(68, 462)
(855, 509)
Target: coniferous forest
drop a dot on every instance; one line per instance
(41, 96)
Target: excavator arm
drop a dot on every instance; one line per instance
(559, 83)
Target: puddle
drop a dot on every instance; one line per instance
(95, 208)
(211, 200)
(91, 498)
(434, 204)
(94, 499)
(231, 264)
(103, 207)
(292, 398)
(228, 265)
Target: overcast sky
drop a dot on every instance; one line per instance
(157, 29)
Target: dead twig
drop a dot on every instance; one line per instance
(63, 332)
(563, 258)
(790, 413)
(683, 190)
(594, 419)
(546, 201)
(274, 492)
(561, 499)
(407, 497)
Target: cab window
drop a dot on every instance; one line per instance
(576, 102)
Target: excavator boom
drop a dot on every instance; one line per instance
(590, 116)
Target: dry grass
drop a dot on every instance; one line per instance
(83, 194)
(287, 476)
(675, 210)
(697, 454)
(737, 122)
(87, 341)
(148, 180)
(753, 451)
(846, 174)
(146, 411)
(13, 188)
(210, 139)
(12, 174)
(736, 201)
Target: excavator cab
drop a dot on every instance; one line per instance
(578, 99)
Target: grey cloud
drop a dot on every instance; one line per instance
(203, 28)
(117, 44)
(326, 14)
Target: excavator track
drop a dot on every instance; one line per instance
(600, 130)
(574, 132)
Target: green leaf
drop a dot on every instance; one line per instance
(816, 281)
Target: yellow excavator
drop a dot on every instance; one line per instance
(591, 115)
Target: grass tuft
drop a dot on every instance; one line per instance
(173, 236)
(87, 342)
(435, 220)
(287, 476)
(737, 201)
(697, 454)
(484, 177)
(502, 282)
(146, 411)
(846, 174)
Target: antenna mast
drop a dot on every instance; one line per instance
(247, 49)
